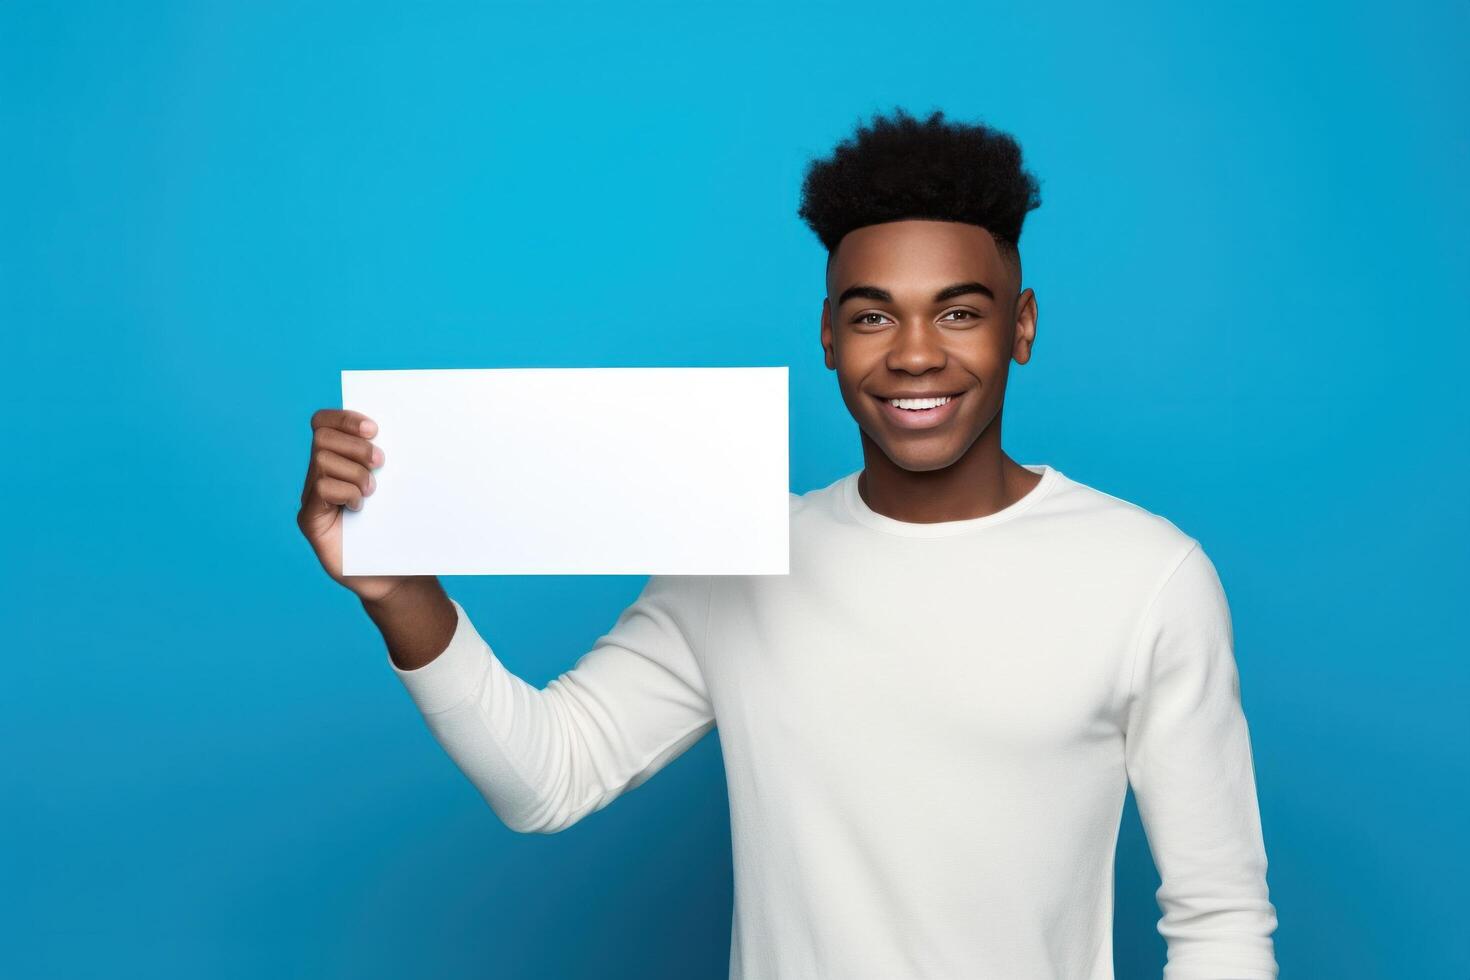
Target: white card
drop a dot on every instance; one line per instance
(578, 471)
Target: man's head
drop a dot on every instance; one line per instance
(922, 223)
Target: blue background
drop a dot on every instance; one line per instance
(1250, 264)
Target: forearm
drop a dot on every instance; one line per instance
(417, 621)
(1189, 761)
(543, 758)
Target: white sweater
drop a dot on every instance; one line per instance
(928, 732)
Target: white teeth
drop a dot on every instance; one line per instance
(917, 403)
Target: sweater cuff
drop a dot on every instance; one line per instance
(454, 675)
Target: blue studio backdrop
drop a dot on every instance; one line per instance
(1250, 265)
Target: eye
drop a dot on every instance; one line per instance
(968, 314)
(862, 318)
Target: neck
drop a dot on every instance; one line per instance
(979, 483)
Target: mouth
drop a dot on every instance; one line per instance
(920, 418)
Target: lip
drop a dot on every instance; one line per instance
(926, 418)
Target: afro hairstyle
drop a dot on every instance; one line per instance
(902, 167)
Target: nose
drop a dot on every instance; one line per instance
(916, 347)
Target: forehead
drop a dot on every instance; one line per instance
(917, 255)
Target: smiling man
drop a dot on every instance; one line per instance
(930, 725)
(927, 318)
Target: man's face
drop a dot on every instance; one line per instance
(924, 308)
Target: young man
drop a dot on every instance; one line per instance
(930, 724)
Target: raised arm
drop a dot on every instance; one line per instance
(1189, 762)
(545, 758)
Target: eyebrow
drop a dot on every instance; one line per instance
(863, 291)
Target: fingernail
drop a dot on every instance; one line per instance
(377, 456)
(372, 483)
(368, 427)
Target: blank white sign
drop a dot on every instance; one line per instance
(589, 471)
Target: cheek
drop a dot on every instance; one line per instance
(853, 367)
(990, 358)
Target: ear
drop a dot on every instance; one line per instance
(831, 355)
(1025, 326)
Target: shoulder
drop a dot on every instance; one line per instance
(823, 500)
(1117, 535)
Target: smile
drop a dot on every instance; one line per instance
(928, 412)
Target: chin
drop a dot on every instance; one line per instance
(914, 456)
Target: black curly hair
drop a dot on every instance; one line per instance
(902, 167)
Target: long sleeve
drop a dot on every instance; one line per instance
(544, 759)
(1189, 761)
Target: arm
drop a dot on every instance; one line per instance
(1189, 761)
(545, 758)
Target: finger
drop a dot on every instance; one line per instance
(345, 420)
(328, 492)
(331, 464)
(351, 447)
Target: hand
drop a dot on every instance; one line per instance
(339, 475)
